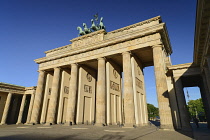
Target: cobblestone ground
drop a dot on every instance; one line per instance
(60, 132)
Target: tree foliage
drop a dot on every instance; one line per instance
(153, 111)
(196, 108)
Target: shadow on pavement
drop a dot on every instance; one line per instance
(186, 133)
(110, 137)
(156, 123)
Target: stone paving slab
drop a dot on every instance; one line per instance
(57, 132)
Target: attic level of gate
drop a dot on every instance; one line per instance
(103, 44)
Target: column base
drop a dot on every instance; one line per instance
(29, 124)
(69, 123)
(186, 128)
(59, 123)
(18, 123)
(167, 127)
(3, 124)
(100, 124)
(47, 123)
(129, 125)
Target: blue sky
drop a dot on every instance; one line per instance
(30, 27)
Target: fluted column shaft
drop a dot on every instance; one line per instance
(71, 106)
(128, 91)
(30, 109)
(20, 116)
(161, 88)
(6, 108)
(38, 98)
(53, 97)
(101, 93)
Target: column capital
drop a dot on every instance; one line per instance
(101, 58)
(41, 71)
(74, 64)
(158, 45)
(57, 68)
(127, 52)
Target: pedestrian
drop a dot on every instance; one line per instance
(196, 122)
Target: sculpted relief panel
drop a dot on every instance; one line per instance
(88, 39)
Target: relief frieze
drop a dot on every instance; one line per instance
(114, 86)
(87, 88)
(139, 83)
(66, 90)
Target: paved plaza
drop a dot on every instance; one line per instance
(57, 132)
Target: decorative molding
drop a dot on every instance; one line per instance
(137, 24)
(59, 48)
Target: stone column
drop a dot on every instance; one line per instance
(21, 109)
(207, 77)
(173, 103)
(204, 90)
(53, 97)
(71, 106)
(6, 109)
(30, 109)
(45, 101)
(162, 89)
(208, 61)
(128, 91)
(183, 111)
(101, 93)
(60, 105)
(38, 98)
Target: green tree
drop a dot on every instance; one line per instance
(196, 108)
(153, 111)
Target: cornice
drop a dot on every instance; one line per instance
(181, 66)
(11, 86)
(130, 35)
(136, 24)
(59, 48)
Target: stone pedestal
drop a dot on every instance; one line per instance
(161, 88)
(101, 93)
(128, 91)
(54, 97)
(38, 98)
(21, 109)
(6, 109)
(71, 106)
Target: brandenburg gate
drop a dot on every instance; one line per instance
(98, 78)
